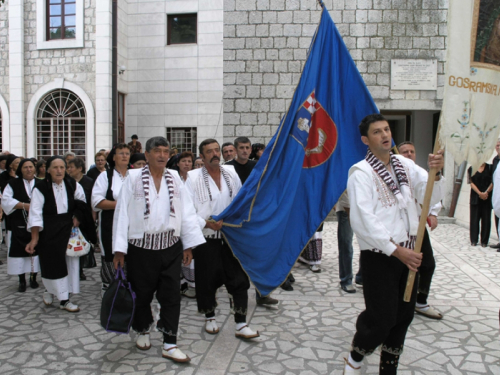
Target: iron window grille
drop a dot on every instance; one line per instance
(184, 139)
(60, 125)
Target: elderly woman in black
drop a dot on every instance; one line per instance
(10, 170)
(16, 200)
(50, 221)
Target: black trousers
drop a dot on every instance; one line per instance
(151, 271)
(217, 266)
(387, 317)
(480, 213)
(426, 269)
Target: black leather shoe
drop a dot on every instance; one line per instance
(497, 246)
(82, 276)
(267, 301)
(473, 244)
(33, 283)
(287, 285)
(22, 287)
(291, 278)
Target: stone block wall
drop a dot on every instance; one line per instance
(4, 51)
(265, 47)
(76, 65)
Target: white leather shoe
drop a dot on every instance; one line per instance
(68, 306)
(349, 369)
(246, 332)
(211, 326)
(143, 342)
(175, 354)
(48, 298)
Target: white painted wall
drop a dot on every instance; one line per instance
(176, 85)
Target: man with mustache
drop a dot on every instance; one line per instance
(212, 188)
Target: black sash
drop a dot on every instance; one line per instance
(20, 236)
(56, 231)
(106, 222)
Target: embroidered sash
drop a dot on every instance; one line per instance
(402, 193)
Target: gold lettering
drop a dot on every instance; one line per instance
(472, 86)
(452, 81)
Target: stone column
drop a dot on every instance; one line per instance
(14, 136)
(103, 75)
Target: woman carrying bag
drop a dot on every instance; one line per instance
(52, 217)
(106, 189)
(16, 200)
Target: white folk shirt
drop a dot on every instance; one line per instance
(374, 211)
(129, 222)
(99, 194)
(220, 198)
(35, 218)
(8, 201)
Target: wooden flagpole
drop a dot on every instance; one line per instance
(423, 217)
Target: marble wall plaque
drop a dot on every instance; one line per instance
(409, 74)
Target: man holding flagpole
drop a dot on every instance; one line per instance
(212, 188)
(382, 190)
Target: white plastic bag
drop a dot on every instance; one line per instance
(77, 245)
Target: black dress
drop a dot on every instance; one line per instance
(20, 236)
(56, 231)
(480, 210)
(93, 173)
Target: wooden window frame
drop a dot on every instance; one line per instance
(63, 21)
(169, 27)
(121, 118)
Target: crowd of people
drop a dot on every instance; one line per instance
(150, 213)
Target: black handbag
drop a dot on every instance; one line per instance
(118, 305)
(88, 261)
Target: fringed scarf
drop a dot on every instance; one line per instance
(205, 189)
(402, 193)
(145, 184)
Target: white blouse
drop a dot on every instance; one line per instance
(101, 187)
(8, 201)
(35, 218)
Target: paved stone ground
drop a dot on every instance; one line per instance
(308, 333)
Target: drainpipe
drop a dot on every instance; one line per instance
(114, 70)
(456, 188)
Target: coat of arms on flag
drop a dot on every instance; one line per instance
(315, 131)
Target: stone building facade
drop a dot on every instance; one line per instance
(266, 42)
(173, 90)
(265, 48)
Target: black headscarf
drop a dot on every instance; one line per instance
(136, 157)
(172, 162)
(5, 176)
(10, 159)
(19, 172)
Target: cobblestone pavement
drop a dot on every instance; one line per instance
(308, 333)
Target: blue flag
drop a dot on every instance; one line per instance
(304, 169)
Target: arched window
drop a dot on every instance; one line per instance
(60, 125)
